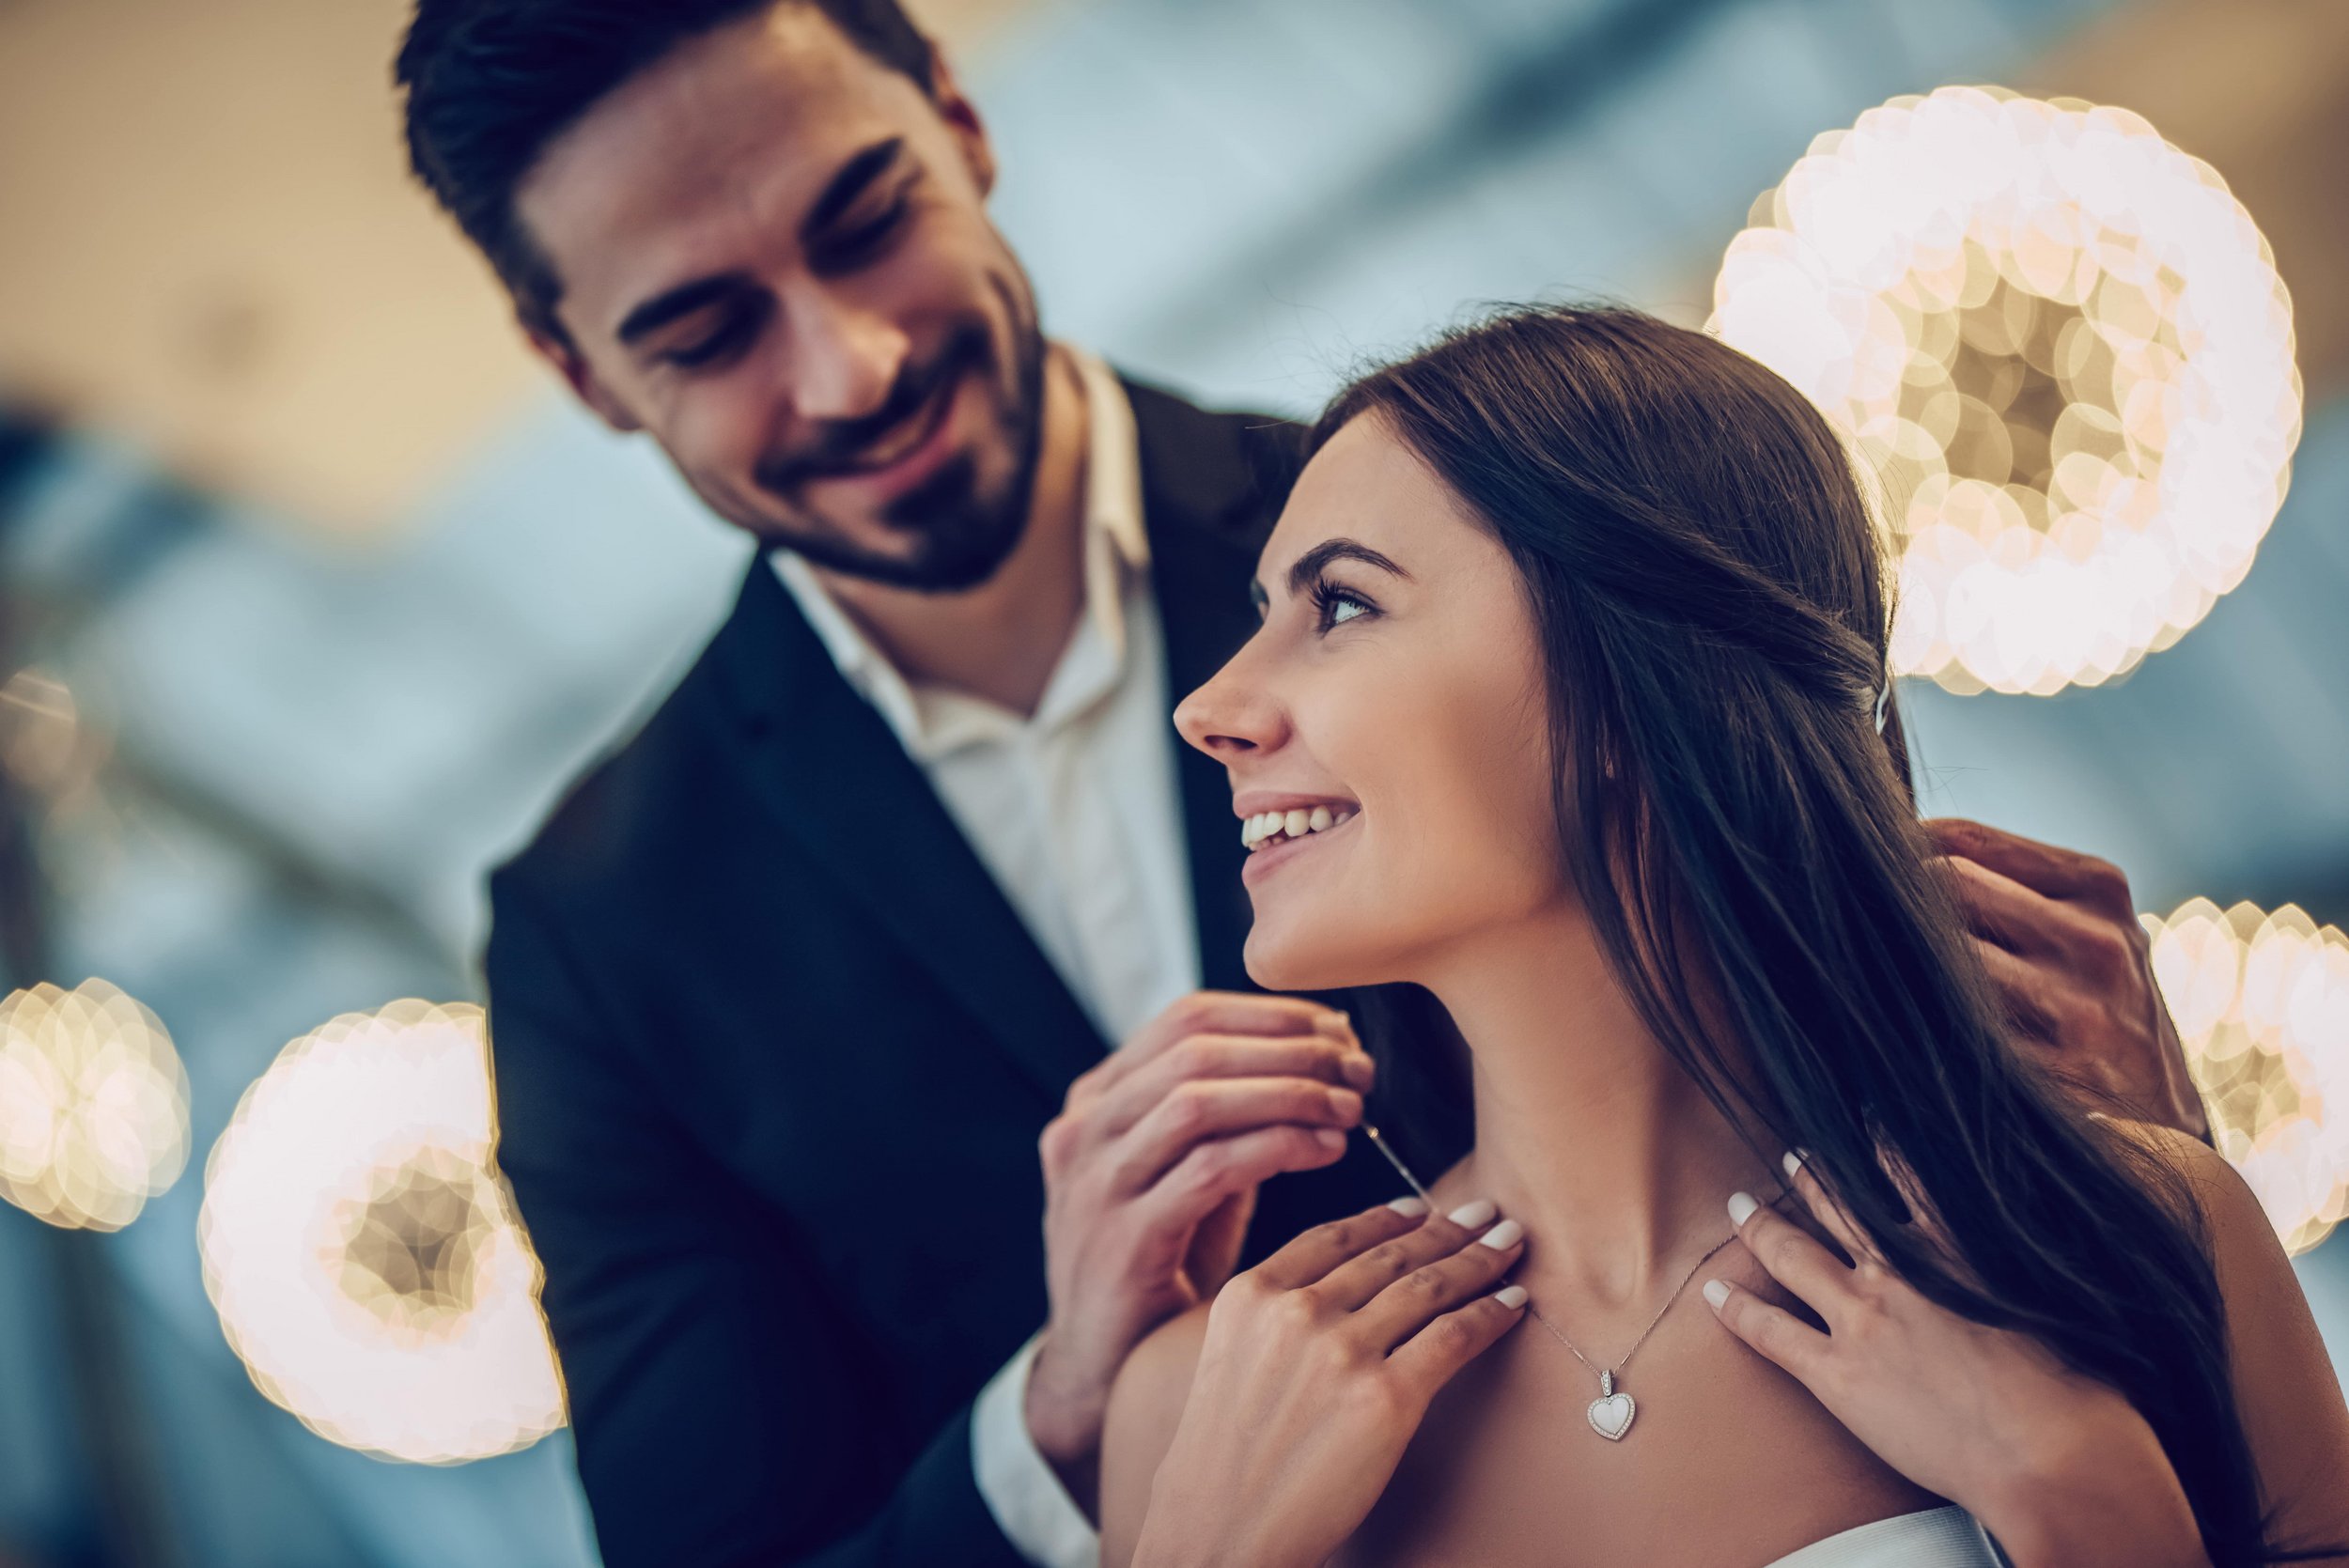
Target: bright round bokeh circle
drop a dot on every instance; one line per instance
(93, 1106)
(362, 1252)
(2261, 1004)
(2059, 345)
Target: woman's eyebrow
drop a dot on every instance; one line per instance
(1309, 566)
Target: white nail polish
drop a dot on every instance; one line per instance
(1473, 1216)
(1715, 1293)
(1741, 1204)
(1409, 1209)
(1511, 1296)
(1792, 1161)
(1502, 1236)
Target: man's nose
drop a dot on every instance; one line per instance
(844, 360)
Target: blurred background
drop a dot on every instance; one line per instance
(317, 590)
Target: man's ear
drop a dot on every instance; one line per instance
(962, 118)
(570, 364)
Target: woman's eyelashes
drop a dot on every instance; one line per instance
(1335, 604)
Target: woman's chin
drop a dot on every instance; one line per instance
(1279, 962)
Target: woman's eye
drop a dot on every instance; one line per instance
(1336, 606)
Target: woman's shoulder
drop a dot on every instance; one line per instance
(2290, 1398)
(2222, 1204)
(1145, 1407)
(1158, 1373)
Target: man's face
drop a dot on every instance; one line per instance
(776, 259)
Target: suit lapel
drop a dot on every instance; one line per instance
(840, 782)
(1211, 485)
(841, 785)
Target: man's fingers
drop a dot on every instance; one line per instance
(1433, 1357)
(2044, 868)
(1207, 1109)
(1775, 1334)
(1319, 1058)
(2021, 992)
(2001, 910)
(1310, 1258)
(1218, 1013)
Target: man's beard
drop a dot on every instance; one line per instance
(961, 538)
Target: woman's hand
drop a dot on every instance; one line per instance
(2058, 1467)
(1317, 1366)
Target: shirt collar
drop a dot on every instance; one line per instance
(931, 722)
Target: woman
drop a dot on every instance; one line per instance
(1569, 708)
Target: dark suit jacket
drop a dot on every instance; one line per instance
(772, 1054)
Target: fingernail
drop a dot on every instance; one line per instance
(1359, 1070)
(1741, 1204)
(1345, 1104)
(1473, 1216)
(1330, 1138)
(1409, 1209)
(1791, 1159)
(1716, 1292)
(1511, 1296)
(1502, 1236)
(1339, 1024)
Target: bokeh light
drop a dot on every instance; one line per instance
(93, 1106)
(362, 1251)
(2059, 345)
(2261, 1004)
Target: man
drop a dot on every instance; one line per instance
(787, 992)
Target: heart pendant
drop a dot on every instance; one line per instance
(1611, 1417)
(1610, 1413)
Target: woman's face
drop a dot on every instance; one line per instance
(1395, 684)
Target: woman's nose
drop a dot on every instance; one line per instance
(1231, 716)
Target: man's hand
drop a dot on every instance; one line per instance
(2059, 933)
(1150, 1175)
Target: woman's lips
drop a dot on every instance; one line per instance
(1267, 857)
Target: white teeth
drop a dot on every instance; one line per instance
(1295, 824)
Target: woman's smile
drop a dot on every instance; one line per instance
(1285, 825)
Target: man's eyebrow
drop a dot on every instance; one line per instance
(682, 301)
(1309, 566)
(855, 175)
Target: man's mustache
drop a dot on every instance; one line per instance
(839, 448)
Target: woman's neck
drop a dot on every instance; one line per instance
(1587, 1132)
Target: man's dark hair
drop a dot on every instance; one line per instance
(490, 83)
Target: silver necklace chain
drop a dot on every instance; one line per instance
(1607, 1374)
(1616, 1422)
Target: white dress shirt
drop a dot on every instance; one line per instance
(1076, 812)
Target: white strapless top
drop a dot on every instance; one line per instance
(1937, 1538)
